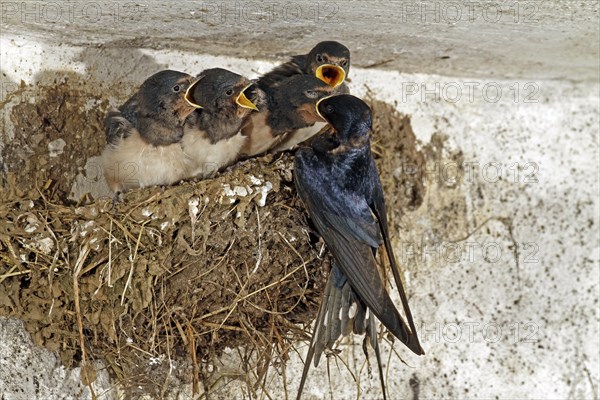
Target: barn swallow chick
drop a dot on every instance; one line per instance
(290, 115)
(339, 185)
(212, 138)
(328, 61)
(143, 136)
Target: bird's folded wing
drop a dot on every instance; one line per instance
(295, 66)
(351, 233)
(116, 126)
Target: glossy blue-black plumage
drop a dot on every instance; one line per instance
(339, 184)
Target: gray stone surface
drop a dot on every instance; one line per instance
(28, 372)
(482, 38)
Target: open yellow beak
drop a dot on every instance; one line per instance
(188, 96)
(333, 75)
(244, 101)
(317, 107)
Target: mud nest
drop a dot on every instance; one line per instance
(169, 276)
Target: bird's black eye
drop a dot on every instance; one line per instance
(229, 92)
(176, 88)
(329, 109)
(344, 63)
(311, 94)
(319, 58)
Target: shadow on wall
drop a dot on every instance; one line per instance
(113, 67)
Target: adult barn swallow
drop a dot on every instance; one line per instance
(328, 61)
(339, 184)
(143, 135)
(290, 115)
(212, 138)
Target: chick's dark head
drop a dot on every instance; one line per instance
(163, 95)
(219, 91)
(330, 62)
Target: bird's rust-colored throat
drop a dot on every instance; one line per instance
(331, 74)
(354, 143)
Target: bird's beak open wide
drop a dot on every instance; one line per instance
(333, 75)
(243, 101)
(188, 95)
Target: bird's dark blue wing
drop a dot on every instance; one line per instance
(296, 65)
(351, 232)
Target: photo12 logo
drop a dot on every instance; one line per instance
(452, 12)
(454, 92)
(22, 92)
(236, 12)
(477, 332)
(467, 252)
(128, 172)
(451, 173)
(63, 12)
